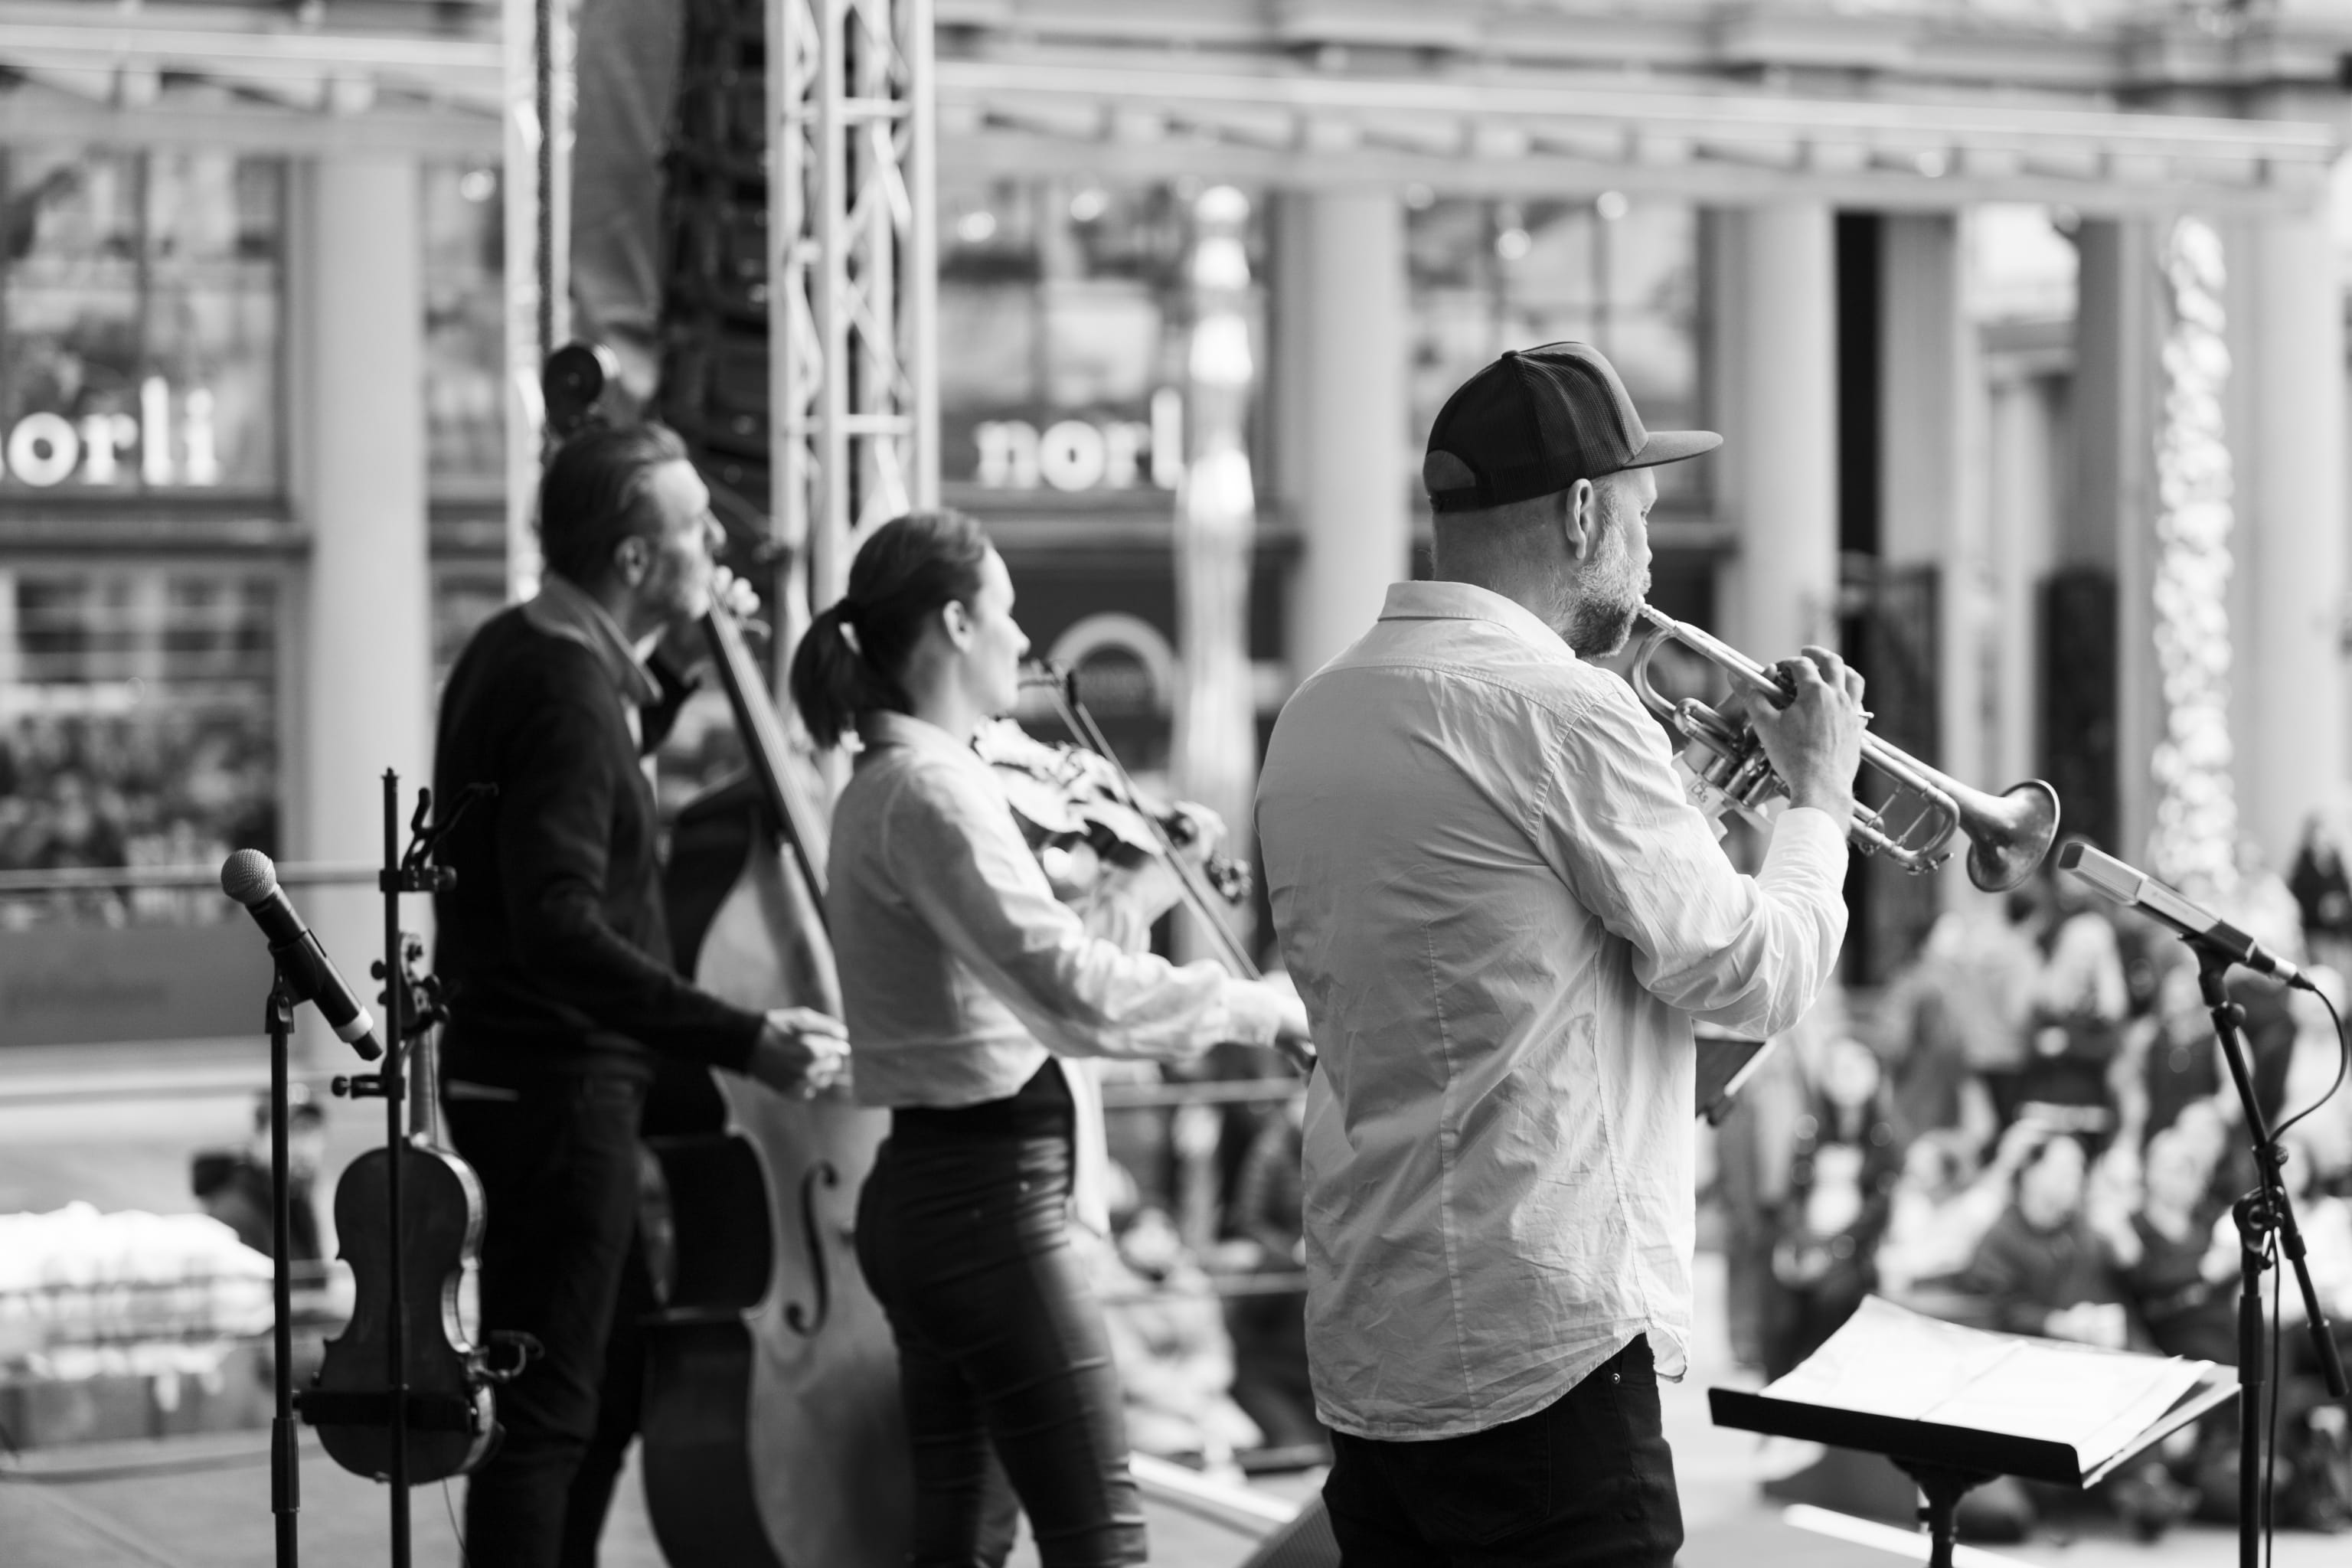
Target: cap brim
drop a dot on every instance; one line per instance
(1672, 447)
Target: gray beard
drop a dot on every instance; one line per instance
(1597, 607)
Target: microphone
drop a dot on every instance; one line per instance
(2127, 885)
(248, 877)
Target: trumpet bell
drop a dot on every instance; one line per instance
(2008, 834)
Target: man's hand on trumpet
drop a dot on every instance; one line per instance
(1814, 739)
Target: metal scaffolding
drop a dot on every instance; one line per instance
(853, 379)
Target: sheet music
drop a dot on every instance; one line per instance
(1887, 1361)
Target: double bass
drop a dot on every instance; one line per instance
(772, 1427)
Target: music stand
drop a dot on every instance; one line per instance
(1953, 1407)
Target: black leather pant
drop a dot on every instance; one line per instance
(559, 1260)
(1005, 1368)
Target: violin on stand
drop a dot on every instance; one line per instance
(403, 1395)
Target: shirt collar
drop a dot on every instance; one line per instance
(888, 727)
(564, 609)
(1469, 602)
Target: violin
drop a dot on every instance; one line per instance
(1084, 820)
(772, 1425)
(447, 1422)
(1200, 878)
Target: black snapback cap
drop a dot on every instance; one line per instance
(1537, 420)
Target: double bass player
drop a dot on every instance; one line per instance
(554, 947)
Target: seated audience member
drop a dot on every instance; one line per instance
(1941, 1208)
(2045, 1270)
(1941, 1025)
(2321, 883)
(2183, 1280)
(2043, 1267)
(2315, 1432)
(2075, 1028)
(1843, 1172)
(1269, 1329)
(2326, 1134)
(1168, 1338)
(2168, 1058)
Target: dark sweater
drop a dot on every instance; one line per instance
(2028, 1274)
(553, 944)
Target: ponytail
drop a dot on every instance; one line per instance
(850, 660)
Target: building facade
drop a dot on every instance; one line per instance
(1922, 263)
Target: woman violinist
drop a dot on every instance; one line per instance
(962, 979)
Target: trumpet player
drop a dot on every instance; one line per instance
(1503, 915)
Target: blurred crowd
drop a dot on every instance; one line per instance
(174, 790)
(2032, 1128)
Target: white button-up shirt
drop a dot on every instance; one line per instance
(1504, 914)
(960, 969)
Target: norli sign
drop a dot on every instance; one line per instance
(170, 442)
(1082, 452)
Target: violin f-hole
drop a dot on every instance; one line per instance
(805, 1321)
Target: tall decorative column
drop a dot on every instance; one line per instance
(2194, 841)
(1347, 460)
(366, 658)
(2291, 690)
(1777, 471)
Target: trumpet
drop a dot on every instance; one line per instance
(2008, 834)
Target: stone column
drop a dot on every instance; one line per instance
(1931, 506)
(2289, 687)
(2112, 523)
(366, 655)
(1931, 509)
(1347, 460)
(1777, 474)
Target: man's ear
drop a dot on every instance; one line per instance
(633, 557)
(1580, 518)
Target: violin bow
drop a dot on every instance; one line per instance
(1062, 680)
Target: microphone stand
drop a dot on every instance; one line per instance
(285, 1437)
(2259, 1212)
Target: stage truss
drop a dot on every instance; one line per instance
(853, 381)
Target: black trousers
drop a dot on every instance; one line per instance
(1589, 1481)
(560, 1259)
(1004, 1369)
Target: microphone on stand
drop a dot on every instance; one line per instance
(251, 878)
(2129, 885)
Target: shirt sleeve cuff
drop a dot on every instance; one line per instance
(1811, 831)
(1253, 1014)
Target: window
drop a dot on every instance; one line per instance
(465, 331)
(137, 727)
(1622, 275)
(1063, 309)
(141, 299)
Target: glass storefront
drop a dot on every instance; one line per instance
(1063, 310)
(1620, 273)
(137, 727)
(140, 322)
(142, 332)
(465, 331)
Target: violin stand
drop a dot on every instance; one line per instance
(392, 1406)
(2259, 1214)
